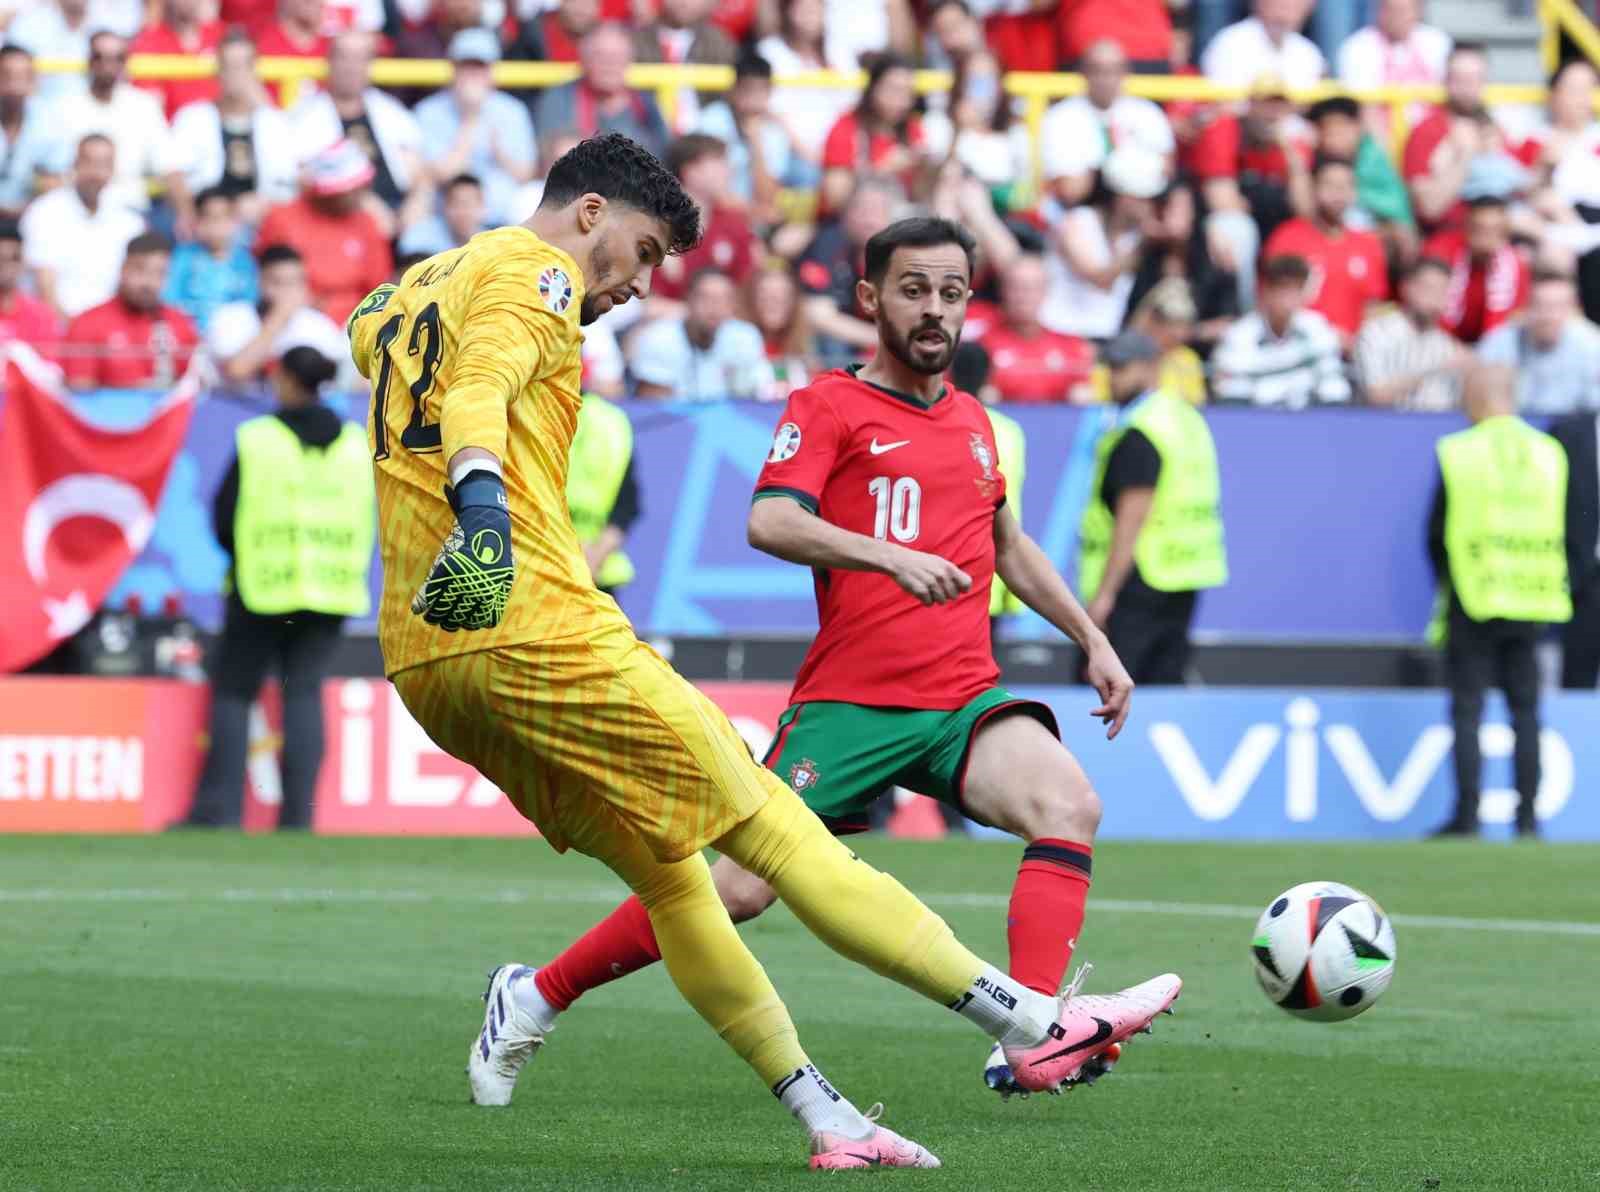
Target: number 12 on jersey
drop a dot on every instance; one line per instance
(899, 508)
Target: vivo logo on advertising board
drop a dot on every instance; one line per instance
(1387, 799)
(1323, 763)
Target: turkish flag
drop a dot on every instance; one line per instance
(77, 502)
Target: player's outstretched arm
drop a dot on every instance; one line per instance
(781, 527)
(1028, 572)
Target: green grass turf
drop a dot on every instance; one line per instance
(223, 1012)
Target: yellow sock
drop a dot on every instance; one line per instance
(856, 910)
(716, 973)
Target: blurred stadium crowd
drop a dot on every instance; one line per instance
(1281, 254)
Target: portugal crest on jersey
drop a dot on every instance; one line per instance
(989, 483)
(555, 287)
(802, 775)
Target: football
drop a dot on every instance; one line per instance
(1323, 951)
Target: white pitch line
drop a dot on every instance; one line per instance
(604, 894)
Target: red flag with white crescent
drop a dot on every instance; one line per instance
(77, 503)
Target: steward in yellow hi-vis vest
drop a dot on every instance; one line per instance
(1011, 444)
(602, 490)
(296, 512)
(1151, 537)
(1497, 537)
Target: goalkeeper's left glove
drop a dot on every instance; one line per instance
(471, 579)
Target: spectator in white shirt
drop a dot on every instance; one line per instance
(1098, 247)
(801, 45)
(1406, 361)
(352, 109)
(1079, 133)
(244, 338)
(55, 29)
(708, 354)
(242, 143)
(133, 120)
(73, 237)
(1268, 42)
(1281, 354)
(1397, 49)
(1553, 348)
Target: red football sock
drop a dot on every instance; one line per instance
(621, 943)
(1047, 911)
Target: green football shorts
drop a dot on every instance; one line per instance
(840, 757)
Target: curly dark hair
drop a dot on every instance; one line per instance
(623, 171)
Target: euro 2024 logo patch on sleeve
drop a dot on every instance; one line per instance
(784, 443)
(555, 287)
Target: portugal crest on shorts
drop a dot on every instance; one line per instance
(802, 775)
(555, 287)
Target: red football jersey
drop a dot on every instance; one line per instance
(880, 463)
(1348, 271)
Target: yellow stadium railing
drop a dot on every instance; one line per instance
(1036, 91)
(1563, 16)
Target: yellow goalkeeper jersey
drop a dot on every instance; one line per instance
(478, 347)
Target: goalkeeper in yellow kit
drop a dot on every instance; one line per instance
(505, 652)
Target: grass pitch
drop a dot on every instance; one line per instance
(205, 1012)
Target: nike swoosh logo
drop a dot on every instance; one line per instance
(1101, 1034)
(878, 448)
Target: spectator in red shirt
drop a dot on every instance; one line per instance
(1489, 279)
(132, 341)
(1022, 34)
(1143, 28)
(554, 36)
(345, 249)
(23, 317)
(772, 303)
(297, 33)
(727, 241)
(1030, 363)
(183, 31)
(1254, 172)
(1441, 148)
(881, 135)
(1348, 268)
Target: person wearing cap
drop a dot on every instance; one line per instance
(1167, 314)
(348, 107)
(1497, 539)
(475, 129)
(1151, 538)
(1098, 247)
(344, 246)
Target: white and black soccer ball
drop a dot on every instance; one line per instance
(1323, 951)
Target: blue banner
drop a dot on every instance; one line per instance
(1319, 764)
(1324, 511)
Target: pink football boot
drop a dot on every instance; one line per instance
(881, 1148)
(1086, 1026)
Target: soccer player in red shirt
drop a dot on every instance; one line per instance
(133, 341)
(1348, 267)
(885, 482)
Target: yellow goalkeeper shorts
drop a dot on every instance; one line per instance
(593, 737)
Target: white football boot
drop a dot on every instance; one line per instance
(509, 1037)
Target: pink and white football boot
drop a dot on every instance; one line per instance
(882, 1148)
(1086, 1026)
